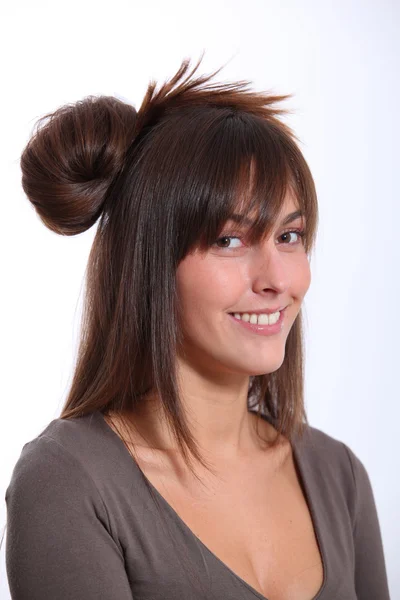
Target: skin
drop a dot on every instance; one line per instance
(218, 356)
(253, 515)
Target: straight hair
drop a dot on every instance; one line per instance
(161, 182)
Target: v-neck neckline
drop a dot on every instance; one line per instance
(297, 458)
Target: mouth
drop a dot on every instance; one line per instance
(255, 323)
(263, 317)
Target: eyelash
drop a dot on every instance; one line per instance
(233, 235)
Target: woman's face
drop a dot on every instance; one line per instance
(234, 277)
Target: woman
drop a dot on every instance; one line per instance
(183, 465)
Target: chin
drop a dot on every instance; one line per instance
(264, 371)
(262, 368)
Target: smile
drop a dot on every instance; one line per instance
(260, 319)
(261, 324)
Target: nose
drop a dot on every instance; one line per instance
(270, 269)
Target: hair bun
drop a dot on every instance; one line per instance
(72, 158)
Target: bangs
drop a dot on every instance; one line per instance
(213, 165)
(248, 166)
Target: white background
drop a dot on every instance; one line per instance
(341, 61)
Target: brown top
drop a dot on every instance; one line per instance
(82, 524)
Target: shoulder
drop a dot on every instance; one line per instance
(61, 525)
(66, 440)
(52, 489)
(326, 450)
(59, 458)
(77, 456)
(333, 466)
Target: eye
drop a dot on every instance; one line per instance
(226, 242)
(234, 242)
(299, 232)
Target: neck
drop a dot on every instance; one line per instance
(217, 413)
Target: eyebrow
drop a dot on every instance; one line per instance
(288, 219)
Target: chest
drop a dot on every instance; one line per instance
(255, 521)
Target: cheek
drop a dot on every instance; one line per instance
(204, 286)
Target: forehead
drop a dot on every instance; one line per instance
(290, 204)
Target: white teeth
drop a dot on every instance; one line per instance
(262, 319)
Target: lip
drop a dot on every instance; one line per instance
(260, 329)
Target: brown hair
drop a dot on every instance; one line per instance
(162, 181)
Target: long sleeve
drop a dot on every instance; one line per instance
(370, 569)
(58, 542)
